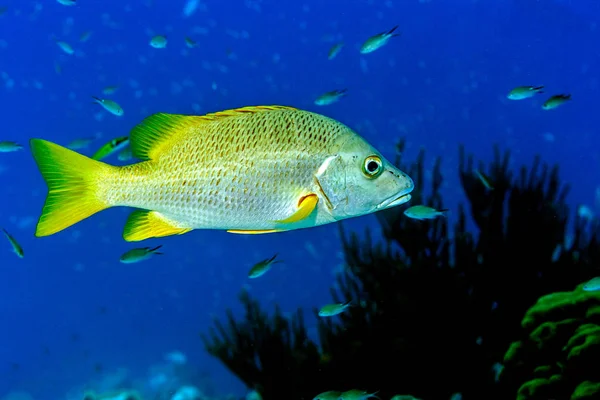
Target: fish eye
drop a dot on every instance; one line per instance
(372, 166)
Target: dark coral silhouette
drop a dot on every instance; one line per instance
(438, 308)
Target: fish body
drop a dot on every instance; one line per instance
(593, 285)
(15, 245)
(421, 212)
(81, 143)
(329, 395)
(335, 50)
(330, 97)
(176, 357)
(524, 92)
(187, 392)
(484, 179)
(253, 395)
(125, 154)
(111, 147)
(65, 47)
(331, 310)
(357, 394)
(67, 2)
(585, 212)
(159, 42)
(251, 170)
(404, 397)
(556, 101)
(262, 267)
(190, 43)
(110, 106)
(9, 147)
(85, 36)
(141, 254)
(109, 90)
(377, 41)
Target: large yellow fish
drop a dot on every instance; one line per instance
(249, 170)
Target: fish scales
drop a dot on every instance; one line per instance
(224, 165)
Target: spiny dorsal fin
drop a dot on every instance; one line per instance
(242, 110)
(156, 132)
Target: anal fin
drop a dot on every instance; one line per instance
(143, 224)
(306, 205)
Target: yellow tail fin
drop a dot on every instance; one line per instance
(72, 181)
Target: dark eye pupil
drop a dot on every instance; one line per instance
(372, 166)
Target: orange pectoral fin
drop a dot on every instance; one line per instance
(306, 205)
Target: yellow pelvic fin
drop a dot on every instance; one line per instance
(72, 181)
(143, 224)
(306, 206)
(158, 131)
(253, 232)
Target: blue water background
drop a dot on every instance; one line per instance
(69, 305)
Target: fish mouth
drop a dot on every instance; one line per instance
(394, 201)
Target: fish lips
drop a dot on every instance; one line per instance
(394, 201)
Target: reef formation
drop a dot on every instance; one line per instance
(558, 354)
(439, 306)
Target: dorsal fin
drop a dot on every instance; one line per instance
(242, 110)
(154, 133)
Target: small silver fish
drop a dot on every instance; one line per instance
(524, 92)
(335, 50)
(81, 143)
(8, 146)
(584, 212)
(159, 42)
(357, 394)
(330, 97)
(111, 147)
(110, 106)
(15, 245)
(262, 267)
(484, 179)
(66, 47)
(377, 41)
(329, 395)
(423, 212)
(190, 43)
(85, 36)
(125, 155)
(253, 395)
(593, 285)
(109, 90)
(176, 357)
(139, 254)
(331, 310)
(556, 101)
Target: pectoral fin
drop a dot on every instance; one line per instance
(306, 205)
(143, 225)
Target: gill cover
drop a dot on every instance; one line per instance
(331, 182)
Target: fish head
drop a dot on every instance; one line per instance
(358, 180)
